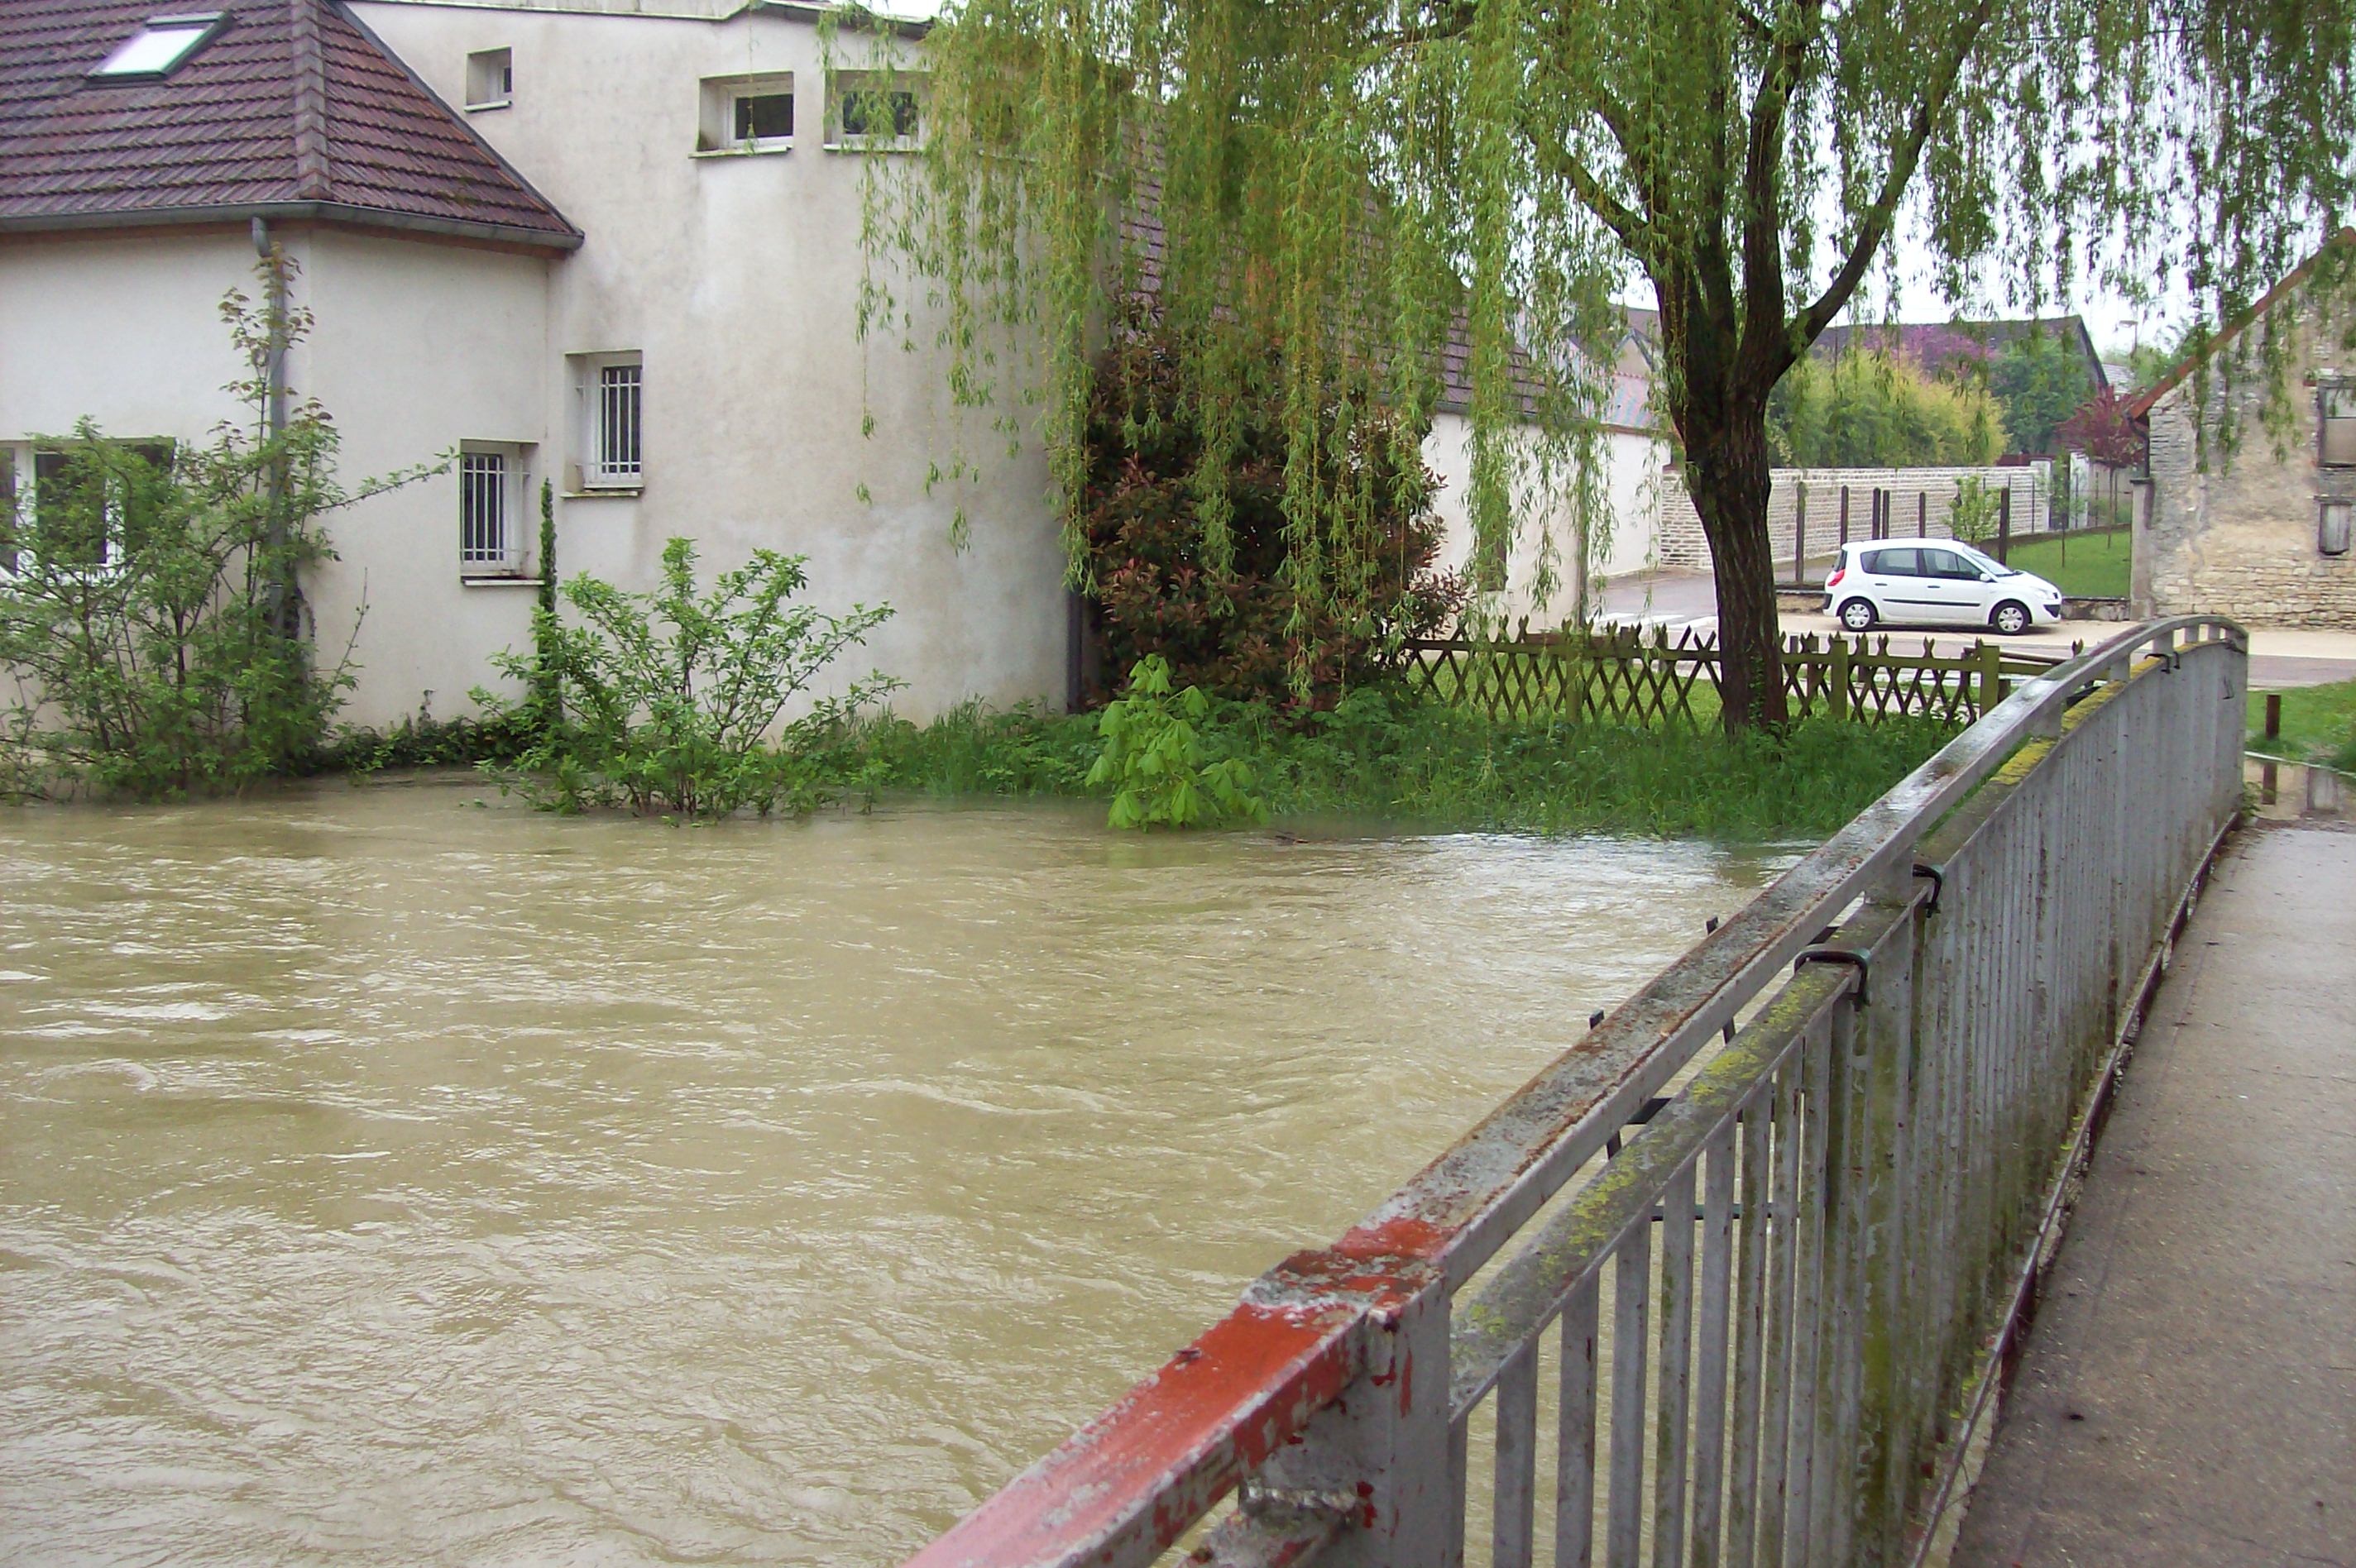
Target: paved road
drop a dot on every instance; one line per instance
(2187, 1394)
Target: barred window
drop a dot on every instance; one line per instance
(486, 526)
(619, 409)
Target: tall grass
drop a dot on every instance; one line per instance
(1434, 765)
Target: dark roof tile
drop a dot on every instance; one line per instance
(292, 101)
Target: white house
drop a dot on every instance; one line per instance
(617, 250)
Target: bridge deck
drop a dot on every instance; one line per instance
(2187, 1394)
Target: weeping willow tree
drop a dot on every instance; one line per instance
(1415, 199)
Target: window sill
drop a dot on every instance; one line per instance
(494, 103)
(500, 580)
(745, 150)
(872, 146)
(602, 493)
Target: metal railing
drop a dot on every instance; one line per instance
(1771, 1319)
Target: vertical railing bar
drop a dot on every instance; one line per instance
(1749, 1322)
(1810, 1200)
(1677, 1370)
(1460, 1473)
(1715, 1328)
(1574, 1486)
(1632, 1287)
(1517, 1457)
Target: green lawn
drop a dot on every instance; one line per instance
(2087, 566)
(2317, 722)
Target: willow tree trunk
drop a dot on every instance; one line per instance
(1727, 474)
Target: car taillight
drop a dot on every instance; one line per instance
(1838, 572)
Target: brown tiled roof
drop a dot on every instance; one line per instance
(293, 109)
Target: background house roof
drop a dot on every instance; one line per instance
(293, 109)
(1934, 346)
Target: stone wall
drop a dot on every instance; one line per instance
(1919, 500)
(2239, 538)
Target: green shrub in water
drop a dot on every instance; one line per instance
(672, 702)
(1156, 763)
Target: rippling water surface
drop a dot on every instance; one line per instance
(387, 1179)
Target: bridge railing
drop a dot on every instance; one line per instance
(1760, 1331)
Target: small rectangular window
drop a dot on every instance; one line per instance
(490, 79)
(2332, 528)
(2336, 446)
(764, 116)
(878, 110)
(747, 114)
(487, 531)
(619, 393)
(609, 392)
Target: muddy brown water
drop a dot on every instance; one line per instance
(389, 1179)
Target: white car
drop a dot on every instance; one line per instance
(1934, 582)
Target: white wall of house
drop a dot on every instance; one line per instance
(1632, 493)
(736, 276)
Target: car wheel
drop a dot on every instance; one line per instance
(2011, 619)
(1856, 615)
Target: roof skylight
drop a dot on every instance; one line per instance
(159, 47)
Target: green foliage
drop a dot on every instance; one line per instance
(2039, 381)
(1869, 410)
(1212, 596)
(153, 620)
(422, 740)
(1972, 517)
(673, 701)
(1343, 179)
(547, 686)
(1157, 764)
(1382, 754)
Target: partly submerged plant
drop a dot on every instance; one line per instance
(674, 702)
(1156, 763)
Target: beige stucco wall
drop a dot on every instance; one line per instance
(1630, 492)
(2239, 538)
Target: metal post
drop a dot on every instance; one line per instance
(2004, 520)
(2273, 715)
(1843, 514)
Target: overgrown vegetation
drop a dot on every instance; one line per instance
(1189, 548)
(1382, 754)
(153, 620)
(672, 702)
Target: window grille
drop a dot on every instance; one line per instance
(483, 511)
(617, 423)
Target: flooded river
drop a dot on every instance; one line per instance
(391, 1180)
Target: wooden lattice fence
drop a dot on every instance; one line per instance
(1624, 675)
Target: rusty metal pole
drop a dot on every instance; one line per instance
(2273, 715)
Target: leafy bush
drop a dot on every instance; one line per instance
(1155, 761)
(1200, 579)
(1870, 409)
(671, 701)
(154, 622)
